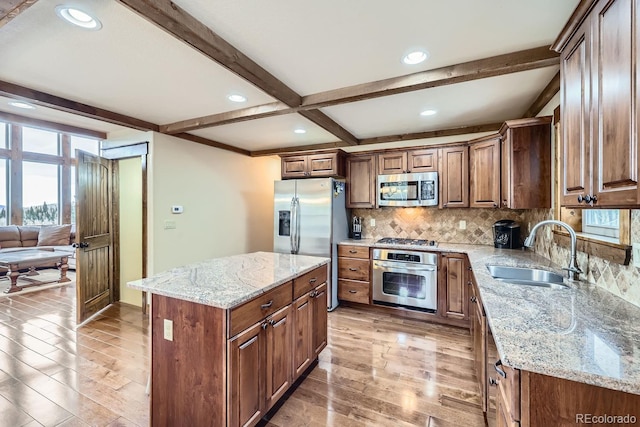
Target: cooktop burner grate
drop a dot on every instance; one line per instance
(407, 242)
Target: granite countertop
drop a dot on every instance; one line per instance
(227, 282)
(583, 333)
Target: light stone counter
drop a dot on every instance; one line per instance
(229, 281)
(583, 334)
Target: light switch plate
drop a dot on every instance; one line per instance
(169, 225)
(462, 225)
(635, 254)
(372, 222)
(168, 330)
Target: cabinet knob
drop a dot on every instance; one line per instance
(473, 299)
(492, 382)
(587, 199)
(580, 198)
(594, 198)
(264, 325)
(495, 205)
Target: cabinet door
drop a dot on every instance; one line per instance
(505, 180)
(575, 99)
(319, 323)
(454, 177)
(422, 160)
(478, 328)
(294, 167)
(324, 165)
(614, 113)
(246, 377)
(392, 163)
(457, 294)
(361, 182)
(484, 158)
(278, 359)
(302, 334)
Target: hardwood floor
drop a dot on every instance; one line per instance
(377, 370)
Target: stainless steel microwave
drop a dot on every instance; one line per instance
(408, 189)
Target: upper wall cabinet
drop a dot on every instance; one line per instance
(484, 164)
(599, 95)
(316, 165)
(526, 163)
(454, 177)
(412, 161)
(361, 181)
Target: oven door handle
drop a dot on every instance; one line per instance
(402, 267)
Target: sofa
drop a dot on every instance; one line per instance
(47, 237)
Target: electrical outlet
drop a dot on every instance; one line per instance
(635, 254)
(462, 225)
(372, 222)
(168, 330)
(169, 225)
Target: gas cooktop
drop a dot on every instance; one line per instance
(408, 242)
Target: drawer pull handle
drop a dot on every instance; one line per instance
(353, 269)
(267, 305)
(351, 291)
(314, 280)
(473, 299)
(313, 294)
(499, 370)
(493, 382)
(353, 251)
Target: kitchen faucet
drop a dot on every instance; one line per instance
(573, 269)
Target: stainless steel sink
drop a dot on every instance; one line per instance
(526, 276)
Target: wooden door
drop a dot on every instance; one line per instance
(278, 360)
(392, 163)
(319, 323)
(575, 99)
(246, 376)
(302, 334)
(484, 159)
(294, 167)
(457, 298)
(454, 177)
(614, 76)
(422, 160)
(506, 164)
(361, 181)
(94, 234)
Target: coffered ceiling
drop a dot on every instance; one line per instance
(331, 68)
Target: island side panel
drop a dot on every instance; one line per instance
(188, 373)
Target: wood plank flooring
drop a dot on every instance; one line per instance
(377, 370)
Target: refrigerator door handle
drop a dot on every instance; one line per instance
(297, 247)
(294, 217)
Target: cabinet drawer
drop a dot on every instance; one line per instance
(354, 269)
(260, 307)
(353, 251)
(308, 281)
(510, 389)
(350, 290)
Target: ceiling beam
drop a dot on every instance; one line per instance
(458, 130)
(177, 22)
(44, 124)
(211, 143)
(514, 62)
(545, 96)
(326, 123)
(9, 9)
(285, 150)
(11, 90)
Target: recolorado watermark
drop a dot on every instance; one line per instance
(605, 419)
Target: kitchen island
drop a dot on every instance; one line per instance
(231, 335)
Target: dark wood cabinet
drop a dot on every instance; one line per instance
(526, 163)
(319, 320)
(454, 177)
(361, 181)
(279, 353)
(302, 333)
(484, 179)
(454, 269)
(478, 331)
(598, 95)
(354, 267)
(412, 161)
(316, 165)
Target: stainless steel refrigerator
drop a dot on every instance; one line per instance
(310, 218)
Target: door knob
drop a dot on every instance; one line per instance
(80, 245)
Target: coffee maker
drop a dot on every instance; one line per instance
(506, 234)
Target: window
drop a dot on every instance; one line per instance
(85, 144)
(40, 195)
(601, 222)
(4, 211)
(40, 141)
(3, 135)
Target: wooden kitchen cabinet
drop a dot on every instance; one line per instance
(454, 177)
(484, 179)
(354, 268)
(361, 181)
(319, 320)
(598, 96)
(478, 332)
(279, 351)
(316, 165)
(526, 163)
(302, 333)
(455, 301)
(412, 161)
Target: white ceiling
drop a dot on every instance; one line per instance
(134, 68)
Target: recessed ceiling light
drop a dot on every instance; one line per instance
(300, 131)
(428, 113)
(24, 105)
(78, 17)
(234, 97)
(415, 57)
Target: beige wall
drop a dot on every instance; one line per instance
(227, 200)
(130, 228)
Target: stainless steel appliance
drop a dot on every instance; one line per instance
(408, 242)
(408, 189)
(405, 278)
(311, 219)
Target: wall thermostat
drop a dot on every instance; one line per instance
(177, 209)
